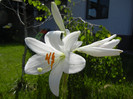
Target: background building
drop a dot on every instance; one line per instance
(115, 15)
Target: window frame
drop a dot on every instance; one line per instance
(88, 7)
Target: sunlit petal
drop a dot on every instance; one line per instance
(110, 44)
(57, 16)
(70, 40)
(53, 38)
(76, 45)
(38, 46)
(99, 52)
(99, 43)
(35, 62)
(76, 64)
(67, 31)
(54, 78)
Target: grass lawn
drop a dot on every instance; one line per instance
(10, 66)
(37, 86)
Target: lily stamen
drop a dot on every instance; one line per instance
(52, 58)
(48, 58)
(52, 62)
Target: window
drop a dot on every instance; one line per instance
(97, 9)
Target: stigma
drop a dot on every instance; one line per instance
(39, 69)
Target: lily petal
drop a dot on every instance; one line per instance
(35, 62)
(99, 43)
(99, 52)
(57, 16)
(76, 45)
(38, 46)
(76, 64)
(110, 44)
(54, 79)
(67, 31)
(53, 38)
(70, 40)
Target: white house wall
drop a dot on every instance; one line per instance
(120, 16)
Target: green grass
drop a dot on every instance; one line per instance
(36, 87)
(108, 90)
(10, 65)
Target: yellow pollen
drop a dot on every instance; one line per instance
(39, 69)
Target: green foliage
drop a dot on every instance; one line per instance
(58, 2)
(40, 7)
(76, 86)
(69, 1)
(107, 90)
(103, 68)
(83, 87)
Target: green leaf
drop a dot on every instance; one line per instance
(37, 18)
(34, 3)
(69, 1)
(45, 16)
(40, 18)
(58, 2)
(61, 7)
(82, 38)
(30, 2)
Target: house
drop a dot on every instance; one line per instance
(115, 15)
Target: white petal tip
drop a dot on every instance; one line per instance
(27, 71)
(114, 35)
(28, 38)
(121, 51)
(77, 32)
(56, 94)
(52, 2)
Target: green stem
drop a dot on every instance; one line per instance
(64, 91)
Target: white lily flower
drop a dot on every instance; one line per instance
(55, 55)
(102, 48)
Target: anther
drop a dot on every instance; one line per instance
(52, 58)
(52, 62)
(48, 58)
